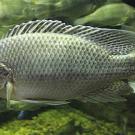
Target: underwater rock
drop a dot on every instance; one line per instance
(66, 8)
(109, 15)
(130, 25)
(46, 8)
(113, 1)
(17, 11)
(63, 120)
(58, 8)
(130, 2)
(10, 8)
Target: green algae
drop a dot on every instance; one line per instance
(60, 121)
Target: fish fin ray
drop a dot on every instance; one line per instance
(114, 40)
(54, 26)
(47, 102)
(42, 26)
(117, 42)
(38, 26)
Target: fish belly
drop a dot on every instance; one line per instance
(54, 90)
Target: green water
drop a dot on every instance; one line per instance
(76, 118)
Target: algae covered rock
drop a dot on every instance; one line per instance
(66, 8)
(28, 9)
(10, 8)
(113, 1)
(60, 121)
(92, 12)
(18, 11)
(109, 15)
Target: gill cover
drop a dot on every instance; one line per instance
(6, 82)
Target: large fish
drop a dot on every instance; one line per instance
(49, 62)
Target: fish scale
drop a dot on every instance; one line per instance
(67, 63)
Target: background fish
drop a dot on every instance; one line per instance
(47, 61)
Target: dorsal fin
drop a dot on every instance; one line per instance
(42, 26)
(114, 40)
(38, 26)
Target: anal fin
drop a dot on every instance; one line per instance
(113, 93)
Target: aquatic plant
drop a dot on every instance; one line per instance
(60, 121)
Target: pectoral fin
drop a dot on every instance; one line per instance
(9, 91)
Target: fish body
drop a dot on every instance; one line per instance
(49, 60)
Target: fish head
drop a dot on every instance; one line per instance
(5, 77)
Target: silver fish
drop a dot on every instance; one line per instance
(47, 61)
